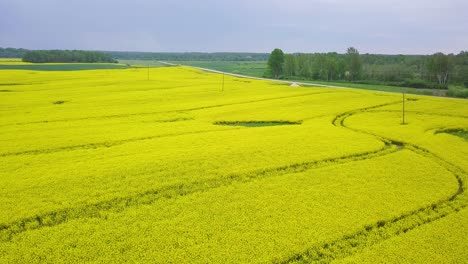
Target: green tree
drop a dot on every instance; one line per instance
(275, 62)
(354, 64)
(460, 75)
(331, 66)
(289, 66)
(304, 65)
(440, 67)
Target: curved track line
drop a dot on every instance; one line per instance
(418, 112)
(385, 229)
(8, 231)
(163, 112)
(108, 144)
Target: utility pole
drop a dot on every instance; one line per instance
(222, 89)
(403, 109)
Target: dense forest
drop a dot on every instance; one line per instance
(418, 71)
(42, 56)
(12, 52)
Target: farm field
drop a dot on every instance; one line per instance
(167, 165)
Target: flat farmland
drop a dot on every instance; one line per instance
(179, 165)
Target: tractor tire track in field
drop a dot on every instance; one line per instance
(386, 229)
(108, 144)
(54, 218)
(164, 112)
(418, 113)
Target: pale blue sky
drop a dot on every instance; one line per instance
(387, 26)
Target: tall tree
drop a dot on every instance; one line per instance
(275, 62)
(289, 66)
(354, 63)
(439, 67)
(331, 66)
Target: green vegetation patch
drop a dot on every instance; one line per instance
(250, 68)
(463, 133)
(143, 63)
(256, 123)
(457, 91)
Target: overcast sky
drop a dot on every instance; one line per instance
(372, 26)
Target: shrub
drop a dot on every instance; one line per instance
(458, 92)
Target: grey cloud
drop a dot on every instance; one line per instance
(392, 26)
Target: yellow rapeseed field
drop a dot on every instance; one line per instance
(167, 165)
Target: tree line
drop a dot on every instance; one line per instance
(164, 56)
(69, 56)
(12, 52)
(188, 56)
(418, 71)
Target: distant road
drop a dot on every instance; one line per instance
(255, 78)
(291, 82)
